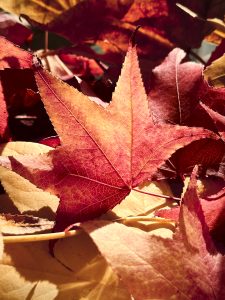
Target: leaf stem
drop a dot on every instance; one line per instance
(144, 218)
(158, 195)
(39, 237)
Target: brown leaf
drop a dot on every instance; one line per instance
(23, 224)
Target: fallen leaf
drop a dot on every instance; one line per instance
(102, 157)
(174, 88)
(185, 267)
(142, 204)
(28, 269)
(23, 224)
(12, 56)
(1, 246)
(115, 21)
(4, 129)
(13, 29)
(215, 73)
(26, 196)
(219, 51)
(213, 210)
(40, 11)
(218, 119)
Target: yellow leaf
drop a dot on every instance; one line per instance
(29, 272)
(139, 204)
(215, 73)
(41, 11)
(25, 195)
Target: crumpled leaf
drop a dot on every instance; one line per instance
(23, 224)
(27, 269)
(102, 157)
(25, 196)
(185, 267)
(174, 88)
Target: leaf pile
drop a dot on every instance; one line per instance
(102, 159)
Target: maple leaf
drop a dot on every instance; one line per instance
(175, 92)
(174, 88)
(27, 268)
(26, 197)
(105, 152)
(185, 267)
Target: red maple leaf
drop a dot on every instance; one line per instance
(105, 152)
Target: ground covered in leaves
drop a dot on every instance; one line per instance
(112, 141)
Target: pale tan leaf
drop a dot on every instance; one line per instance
(143, 205)
(28, 270)
(138, 203)
(16, 148)
(25, 195)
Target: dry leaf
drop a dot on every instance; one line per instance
(25, 195)
(28, 270)
(23, 224)
(215, 73)
(42, 11)
(102, 157)
(185, 267)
